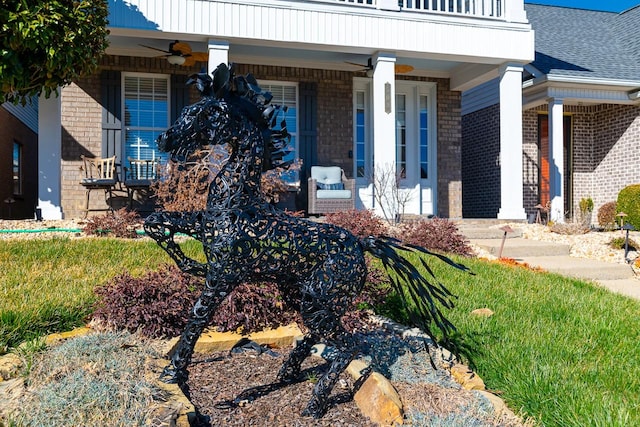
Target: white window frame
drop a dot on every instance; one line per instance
(265, 85)
(125, 128)
(363, 85)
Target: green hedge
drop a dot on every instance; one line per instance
(629, 203)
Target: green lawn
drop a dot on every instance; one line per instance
(559, 350)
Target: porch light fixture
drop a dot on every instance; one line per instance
(369, 73)
(176, 59)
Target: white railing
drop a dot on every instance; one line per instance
(477, 8)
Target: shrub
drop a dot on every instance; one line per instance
(362, 223)
(256, 306)
(586, 205)
(156, 304)
(122, 223)
(607, 215)
(618, 243)
(629, 203)
(436, 234)
(185, 186)
(569, 228)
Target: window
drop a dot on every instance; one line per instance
(17, 168)
(146, 114)
(286, 94)
(401, 135)
(360, 134)
(424, 136)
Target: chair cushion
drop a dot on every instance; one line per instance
(336, 186)
(137, 182)
(326, 174)
(333, 194)
(97, 181)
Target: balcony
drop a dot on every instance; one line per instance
(492, 9)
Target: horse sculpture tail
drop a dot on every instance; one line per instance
(421, 297)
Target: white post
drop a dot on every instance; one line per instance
(218, 54)
(511, 175)
(513, 10)
(556, 159)
(49, 157)
(384, 120)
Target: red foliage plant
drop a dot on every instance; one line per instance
(437, 234)
(121, 223)
(361, 223)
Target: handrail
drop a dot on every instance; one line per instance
(474, 8)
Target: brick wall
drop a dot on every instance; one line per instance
(616, 150)
(12, 130)
(480, 163)
(605, 152)
(449, 151)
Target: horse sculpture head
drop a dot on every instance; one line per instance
(228, 106)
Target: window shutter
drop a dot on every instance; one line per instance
(111, 114)
(307, 136)
(179, 95)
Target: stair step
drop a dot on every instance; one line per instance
(519, 247)
(472, 232)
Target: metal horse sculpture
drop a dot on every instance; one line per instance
(246, 239)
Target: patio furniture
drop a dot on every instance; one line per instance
(99, 174)
(138, 178)
(330, 191)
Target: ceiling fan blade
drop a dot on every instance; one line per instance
(181, 47)
(364, 66)
(155, 48)
(403, 68)
(189, 61)
(200, 56)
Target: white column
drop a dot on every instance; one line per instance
(384, 120)
(49, 157)
(218, 54)
(514, 10)
(556, 159)
(511, 175)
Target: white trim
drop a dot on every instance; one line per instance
(125, 129)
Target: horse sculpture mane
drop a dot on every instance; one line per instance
(246, 239)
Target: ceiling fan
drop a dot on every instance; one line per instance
(368, 68)
(180, 53)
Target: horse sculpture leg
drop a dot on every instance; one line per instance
(325, 297)
(162, 227)
(213, 293)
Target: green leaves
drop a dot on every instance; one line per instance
(47, 45)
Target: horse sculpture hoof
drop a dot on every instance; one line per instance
(313, 410)
(171, 375)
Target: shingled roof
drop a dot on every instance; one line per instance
(586, 44)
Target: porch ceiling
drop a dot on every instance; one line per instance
(297, 56)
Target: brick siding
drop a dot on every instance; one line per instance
(12, 129)
(480, 163)
(605, 154)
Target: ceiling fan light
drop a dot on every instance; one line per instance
(176, 59)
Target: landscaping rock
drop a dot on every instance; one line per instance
(378, 400)
(467, 378)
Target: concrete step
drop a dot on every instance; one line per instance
(473, 232)
(518, 247)
(583, 268)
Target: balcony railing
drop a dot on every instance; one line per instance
(477, 8)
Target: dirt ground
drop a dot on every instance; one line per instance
(241, 390)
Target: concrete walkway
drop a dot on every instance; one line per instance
(554, 257)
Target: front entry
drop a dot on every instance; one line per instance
(543, 162)
(415, 146)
